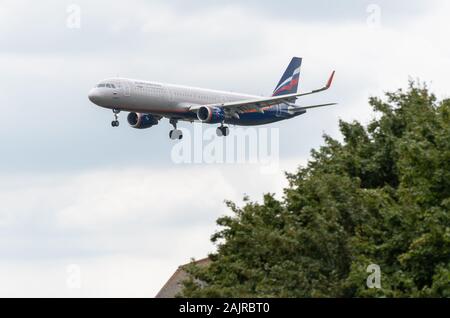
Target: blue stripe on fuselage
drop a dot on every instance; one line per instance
(270, 115)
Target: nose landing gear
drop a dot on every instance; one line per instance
(115, 122)
(175, 133)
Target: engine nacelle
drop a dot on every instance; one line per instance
(210, 114)
(141, 121)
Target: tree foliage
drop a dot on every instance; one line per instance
(381, 196)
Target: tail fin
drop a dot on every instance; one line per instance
(289, 81)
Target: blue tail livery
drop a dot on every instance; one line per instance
(288, 83)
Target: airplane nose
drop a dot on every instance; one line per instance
(93, 95)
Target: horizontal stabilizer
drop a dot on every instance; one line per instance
(312, 106)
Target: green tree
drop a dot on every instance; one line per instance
(382, 196)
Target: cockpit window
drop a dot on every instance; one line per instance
(107, 85)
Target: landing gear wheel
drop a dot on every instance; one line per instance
(222, 131)
(176, 134)
(115, 122)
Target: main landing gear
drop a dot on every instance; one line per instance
(115, 122)
(175, 133)
(222, 131)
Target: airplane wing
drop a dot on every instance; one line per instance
(260, 104)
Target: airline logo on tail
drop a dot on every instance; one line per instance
(288, 83)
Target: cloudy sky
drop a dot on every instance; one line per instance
(87, 210)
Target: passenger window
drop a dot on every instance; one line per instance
(107, 85)
(101, 85)
(112, 86)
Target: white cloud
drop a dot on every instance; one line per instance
(126, 229)
(113, 276)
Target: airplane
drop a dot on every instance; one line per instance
(149, 102)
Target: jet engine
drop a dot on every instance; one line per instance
(141, 121)
(210, 115)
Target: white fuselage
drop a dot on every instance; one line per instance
(157, 98)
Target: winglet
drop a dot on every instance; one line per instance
(327, 86)
(330, 80)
